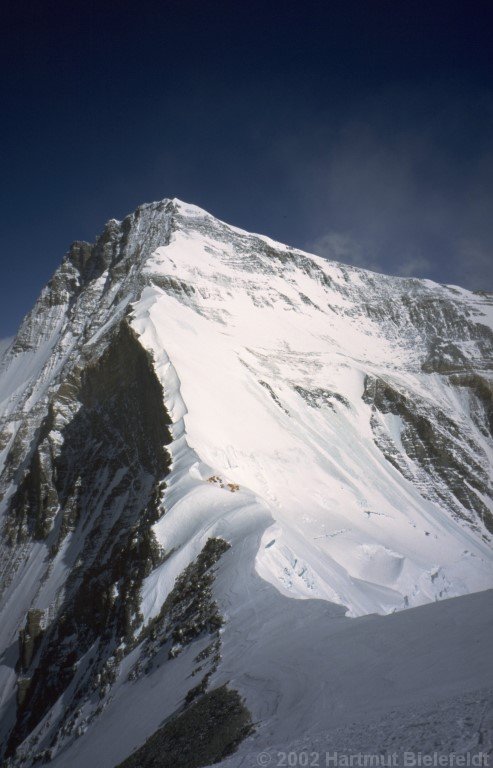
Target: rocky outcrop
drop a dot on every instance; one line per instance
(479, 391)
(188, 612)
(204, 733)
(445, 462)
(102, 486)
(30, 637)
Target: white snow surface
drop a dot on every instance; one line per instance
(230, 352)
(237, 336)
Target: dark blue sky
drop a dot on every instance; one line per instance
(361, 129)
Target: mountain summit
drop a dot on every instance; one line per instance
(198, 426)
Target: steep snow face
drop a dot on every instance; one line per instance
(182, 380)
(356, 406)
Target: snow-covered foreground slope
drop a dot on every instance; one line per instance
(317, 681)
(183, 382)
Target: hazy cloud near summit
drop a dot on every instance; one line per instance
(412, 199)
(342, 247)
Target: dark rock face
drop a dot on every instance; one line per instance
(202, 734)
(104, 485)
(30, 637)
(188, 612)
(89, 273)
(91, 290)
(480, 394)
(317, 398)
(450, 465)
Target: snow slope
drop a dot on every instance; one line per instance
(246, 339)
(331, 424)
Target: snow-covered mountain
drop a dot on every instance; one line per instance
(199, 426)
